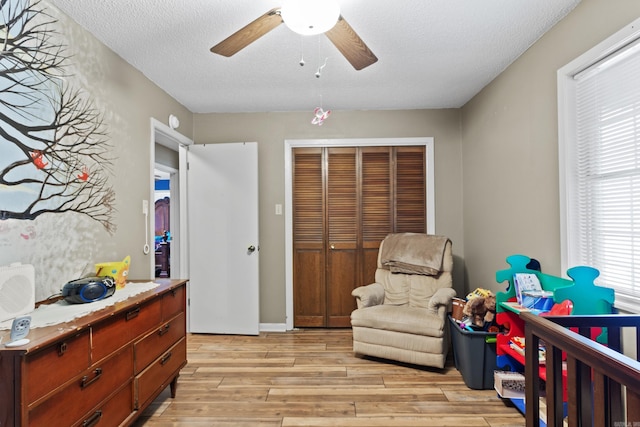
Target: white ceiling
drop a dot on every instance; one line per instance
(432, 53)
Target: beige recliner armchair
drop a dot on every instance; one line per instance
(403, 315)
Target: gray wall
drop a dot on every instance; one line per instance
(496, 158)
(167, 157)
(130, 100)
(270, 130)
(510, 147)
(504, 140)
(66, 243)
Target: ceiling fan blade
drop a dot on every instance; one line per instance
(248, 34)
(351, 45)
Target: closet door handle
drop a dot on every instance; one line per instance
(332, 247)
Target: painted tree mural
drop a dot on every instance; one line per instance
(54, 148)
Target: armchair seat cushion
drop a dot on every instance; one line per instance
(411, 320)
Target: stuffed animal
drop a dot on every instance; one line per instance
(490, 305)
(481, 310)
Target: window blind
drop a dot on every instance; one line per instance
(605, 195)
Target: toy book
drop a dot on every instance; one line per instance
(517, 344)
(526, 283)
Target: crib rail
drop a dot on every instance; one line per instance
(603, 385)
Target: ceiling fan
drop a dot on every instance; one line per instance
(304, 17)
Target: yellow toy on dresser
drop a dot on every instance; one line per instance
(119, 270)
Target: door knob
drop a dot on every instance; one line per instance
(251, 249)
(333, 247)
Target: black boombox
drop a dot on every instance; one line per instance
(88, 289)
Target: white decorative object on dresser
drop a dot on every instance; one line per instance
(17, 290)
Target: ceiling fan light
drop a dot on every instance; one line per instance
(309, 17)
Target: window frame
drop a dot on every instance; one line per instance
(567, 137)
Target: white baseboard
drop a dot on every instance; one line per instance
(273, 327)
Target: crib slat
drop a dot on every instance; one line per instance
(600, 395)
(599, 379)
(633, 407)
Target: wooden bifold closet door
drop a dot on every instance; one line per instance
(345, 201)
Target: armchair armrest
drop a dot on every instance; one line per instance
(441, 299)
(369, 295)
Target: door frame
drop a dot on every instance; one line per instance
(290, 144)
(174, 140)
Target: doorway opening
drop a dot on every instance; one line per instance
(163, 219)
(164, 139)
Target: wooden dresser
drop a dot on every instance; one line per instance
(101, 369)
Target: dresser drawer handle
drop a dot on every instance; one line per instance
(62, 348)
(93, 419)
(163, 330)
(133, 314)
(165, 358)
(86, 382)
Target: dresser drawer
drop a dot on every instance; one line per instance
(75, 400)
(112, 412)
(156, 343)
(160, 373)
(173, 302)
(54, 365)
(110, 335)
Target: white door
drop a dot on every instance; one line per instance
(223, 238)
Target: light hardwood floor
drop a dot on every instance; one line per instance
(312, 378)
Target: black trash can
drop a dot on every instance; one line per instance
(474, 354)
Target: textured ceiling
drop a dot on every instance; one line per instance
(432, 53)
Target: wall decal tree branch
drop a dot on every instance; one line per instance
(55, 154)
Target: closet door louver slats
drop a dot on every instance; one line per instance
(345, 201)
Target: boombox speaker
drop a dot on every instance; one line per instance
(17, 290)
(89, 289)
